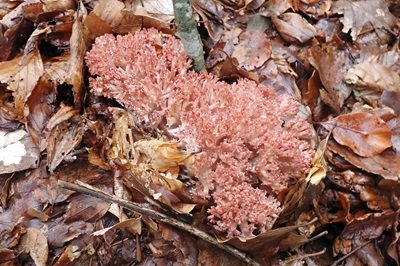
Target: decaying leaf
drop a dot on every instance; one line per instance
(40, 106)
(85, 208)
(165, 189)
(173, 245)
(21, 74)
(373, 75)
(319, 166)
(381, 164)
(328, 54)
(121, 143)
(133, 224)
(61, 232)
(266, 244)
(76, 62)
(365, 134)
(109, 11)
(65, 132)
(278, 7)
(17, 151)
(7, 256)
(161, 10)
(35, 243)
(163, 155)
(253, 50)
(358, 15)
(293, 27)
(361, 236)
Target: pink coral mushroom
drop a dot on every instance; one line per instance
(249, 144)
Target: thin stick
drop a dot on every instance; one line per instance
(351, 253)
(97, 193)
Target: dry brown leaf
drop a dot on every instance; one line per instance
(13, 15)
(109, 11)
(40, 106)
(17, 151)
(328, 54)
(360, 236)
(293, 27)
(133, 224)
(121, 142)
(76, 61)
(11, 41)
(62, 232)
(161, 10)
(65, 132)
(84, 208)
(278, 7)
(392, 100)
(7, 256)
(163, 155)
(166, 189)
(365, 134)
(96, 26)
(56, 68)
(21, 74)
(34, 242)
(214, 16)
(58, 5)
(182, 245)
(373, 75)
(314, 8)
(253, 50)
(360, 14)
(319, 166)
(381, 164)
(263, 246)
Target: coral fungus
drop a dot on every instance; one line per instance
(249, 144)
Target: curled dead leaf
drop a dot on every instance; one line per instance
(381, 164)
(134, 225)
(364, 133)
(163, 155)
(76, 61)
(21, 74)
(17, 151)
(34, 242)
(335, 90)
(357, 15)
(253, 50)
(293, 27)
(65, 132)
(373, 75)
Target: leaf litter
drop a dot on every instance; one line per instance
(339, 59)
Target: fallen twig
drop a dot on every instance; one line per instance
(84, 188)
(350, 253)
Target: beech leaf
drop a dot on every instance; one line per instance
(364, 133)
(21, 74)
(293, 27)
(163, 154)
(134, 224)
(17, 151)
(78, 50)
(374, 76)
(34, 242)
(359, 14)
(253, 50)
(65, 132)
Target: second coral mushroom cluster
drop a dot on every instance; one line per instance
(249, 145)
